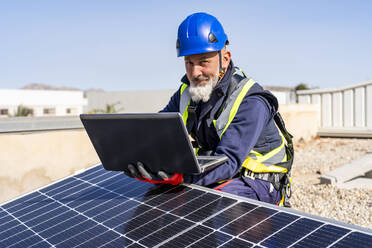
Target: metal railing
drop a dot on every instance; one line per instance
(346, 108)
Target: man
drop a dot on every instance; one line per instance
(226, 114)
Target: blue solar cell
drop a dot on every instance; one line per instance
(29, 241)
(117, 180)
(152, 225)
(167, 195)
(82, 237)
(42, 244)
(248, 220)
(189, 237)
(104, 238)
(268, 227)
(9, 231)
(181, 199)
(323, 237)
(355, 239)
(108, 209)
(118, 243)
(195, 204)
(21, 200)
(138, 220)
(236, 243)
(210, 209)
(213, 240)
(60, 227)
(7, 220)
(124, 215)
(136, 245)
(22, 205)
(53, 217)
(59, 185)
(91, 171)
(292, 233)
(165, 233)
(70, 231)
(42, 208)
(103, 177)
(8, 241)
(229, 215)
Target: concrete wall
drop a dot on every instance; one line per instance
(30, 160)
(34, 159)
(302, 120)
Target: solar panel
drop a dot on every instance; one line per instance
(98, 208)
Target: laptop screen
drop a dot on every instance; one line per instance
(159, 140)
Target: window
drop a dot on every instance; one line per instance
(68, 111)
(4, 112)
(49, 111)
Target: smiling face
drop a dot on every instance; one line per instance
(202, 71)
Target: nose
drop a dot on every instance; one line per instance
(196, 71)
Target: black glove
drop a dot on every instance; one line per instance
(140, 173)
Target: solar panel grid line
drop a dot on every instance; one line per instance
(231, 221)
(196, 224)
(307, 235)
(323, 237)
(26, 227)
(255, 225)
(98, 223)
(270, 221)
(180, 239)
(341, 238)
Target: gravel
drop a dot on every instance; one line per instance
(320, 156)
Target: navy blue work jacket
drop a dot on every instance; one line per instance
(254, 114)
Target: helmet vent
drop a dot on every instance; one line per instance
(212, 38)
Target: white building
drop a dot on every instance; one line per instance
(42, 102)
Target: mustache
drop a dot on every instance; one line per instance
(200, 78)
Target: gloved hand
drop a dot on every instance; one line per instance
(140, 173)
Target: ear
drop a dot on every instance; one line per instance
(226, 58)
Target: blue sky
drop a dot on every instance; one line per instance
(130, 45)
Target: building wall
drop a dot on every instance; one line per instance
(58, 102)
(129, 101)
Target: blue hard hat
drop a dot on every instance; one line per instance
(200, 33)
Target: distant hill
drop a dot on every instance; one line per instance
(37, 86)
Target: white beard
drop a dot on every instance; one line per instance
(202, 92)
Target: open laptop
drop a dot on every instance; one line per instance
(159, 140)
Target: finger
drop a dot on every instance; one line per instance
(134, 171)
(163, 175)
(143, 171)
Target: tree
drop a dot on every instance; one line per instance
(23, 111)
(301, 86)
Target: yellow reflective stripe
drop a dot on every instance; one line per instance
(185, 114)
(271, 153)
(183, 87)
(258, 167)
(237, 103)
(257, 154)
(196, 150)
(214, 123)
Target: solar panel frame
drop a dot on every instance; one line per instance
(81, 185)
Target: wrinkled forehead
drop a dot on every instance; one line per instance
(201, 56)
